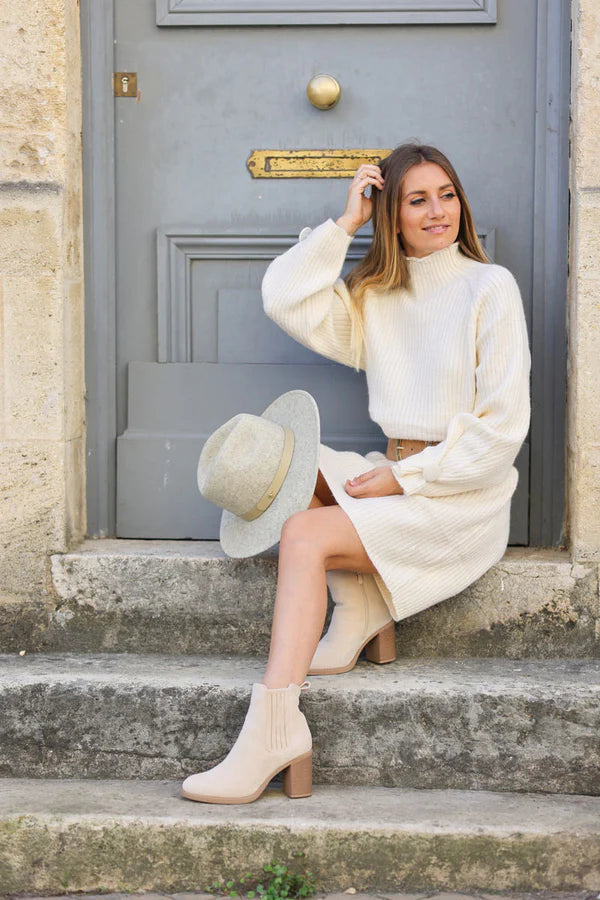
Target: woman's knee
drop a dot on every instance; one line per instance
(327, 535)
(301, 530)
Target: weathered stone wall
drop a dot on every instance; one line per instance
(583, 422)
(41, 290)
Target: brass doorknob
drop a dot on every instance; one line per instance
(323, 91)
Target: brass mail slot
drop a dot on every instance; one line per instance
(311, 163)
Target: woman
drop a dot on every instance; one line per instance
(441, 335)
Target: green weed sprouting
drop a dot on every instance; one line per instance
(281, 884)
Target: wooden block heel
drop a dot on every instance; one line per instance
(382, 647)
(297, 778)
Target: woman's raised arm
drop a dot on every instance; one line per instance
(302, 290)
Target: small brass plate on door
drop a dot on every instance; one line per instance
(125, 84)
(311, 163)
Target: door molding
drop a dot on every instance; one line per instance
(179, 246)
(325, 12)
(98, 149)
(550, 274)
(550, 233)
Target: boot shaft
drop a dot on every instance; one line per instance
(274, 718)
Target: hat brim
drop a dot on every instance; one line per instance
(297, 410)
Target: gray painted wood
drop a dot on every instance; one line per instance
(175, 407)
(188, 291)
(181, 157)
(241, 311)
(550, 273)
(325, 12)
(99, 261)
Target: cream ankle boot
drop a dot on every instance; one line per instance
(360, 618)
(274, 737)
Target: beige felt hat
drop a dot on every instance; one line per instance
(261, 470)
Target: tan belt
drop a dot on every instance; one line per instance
(400, 448)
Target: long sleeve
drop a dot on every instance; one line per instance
(481, 445)
(304, 294)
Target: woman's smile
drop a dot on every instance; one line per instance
(427, 194)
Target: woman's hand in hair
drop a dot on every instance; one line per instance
(358, 207)
(379, 482)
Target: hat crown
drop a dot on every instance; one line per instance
(239, 461)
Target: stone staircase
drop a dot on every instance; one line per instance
(471, 763)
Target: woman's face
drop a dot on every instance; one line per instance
(429, 215)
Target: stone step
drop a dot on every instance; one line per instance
(499, 724)
(188, 597)
(332, 895)
(91, 835)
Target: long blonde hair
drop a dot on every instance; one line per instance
(384, 266)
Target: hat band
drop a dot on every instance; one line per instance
(275, 486)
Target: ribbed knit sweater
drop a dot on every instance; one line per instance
(446, 359)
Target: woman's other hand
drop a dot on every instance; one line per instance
(379, 482)
(358, 207)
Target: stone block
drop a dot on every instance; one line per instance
(34, 377)
(586, 95)
(30, 108)
(28, 156)
(583, 523)
(33, 102)
(31, 234)
(73, 361)
(587, 239)
(584, 526)
(40, 98)
(159, 596)
(22, 616)
(32, 36)
(22, 569)
(2, 363)
(41, 384)
(75, 509)
(73, 223)
(32, 484)
(584, 361)
(488, 724)
(532, 603)
(188, 597)
(583, 437)
(73, 88)
(139, 836)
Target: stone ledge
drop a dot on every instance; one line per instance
(133, 836)
(494, 724)
(189, 597)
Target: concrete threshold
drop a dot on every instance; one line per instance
(74, 835)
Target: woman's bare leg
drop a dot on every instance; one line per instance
(322, 495)
(312, 542)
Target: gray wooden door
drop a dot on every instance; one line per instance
(194, 230)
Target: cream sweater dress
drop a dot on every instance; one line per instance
(446, 359)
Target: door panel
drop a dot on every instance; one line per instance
(189, 318)
(334, 12)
